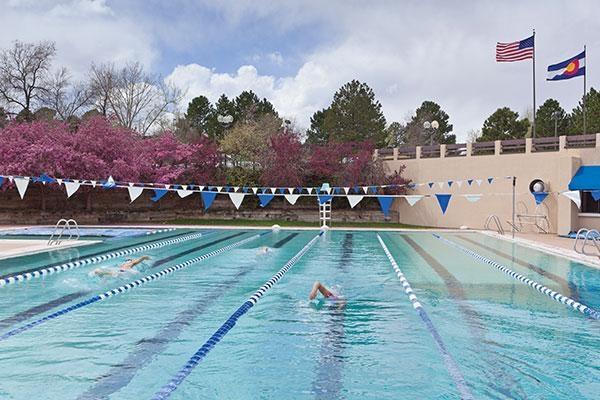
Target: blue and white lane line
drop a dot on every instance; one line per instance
(154, 232)
(96, 259)
(451, 365)
(582, 308)
(127, 287)
(168, 389)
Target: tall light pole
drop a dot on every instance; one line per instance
(431, 127)
(555, 116)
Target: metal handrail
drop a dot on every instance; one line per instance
(580, 233)
(592, 235)
(63, 224)
(496, 220)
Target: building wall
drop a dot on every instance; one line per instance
(555, 168)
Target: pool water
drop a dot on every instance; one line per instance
(508, 340)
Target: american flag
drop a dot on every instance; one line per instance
(515, 51)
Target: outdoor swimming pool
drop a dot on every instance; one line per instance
(474, 329)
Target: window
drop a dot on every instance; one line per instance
(588, 204)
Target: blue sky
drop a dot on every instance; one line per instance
(298, 53)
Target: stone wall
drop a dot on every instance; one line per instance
(45, 205)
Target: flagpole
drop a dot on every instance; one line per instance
(584, 91)
(533, 128)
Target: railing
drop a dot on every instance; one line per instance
(70, 225)
(588, 234)
(493, 218)
(512, 146)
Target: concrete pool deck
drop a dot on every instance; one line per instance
(20, 247)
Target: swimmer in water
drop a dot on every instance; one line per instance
(263, 250)
(329, 294)
(127, 266)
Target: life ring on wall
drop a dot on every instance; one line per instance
(537, 186)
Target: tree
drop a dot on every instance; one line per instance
(23, 72)
(223, 107)
(355, 115)
(3, 118)
(248, 107)
(592, 107)
(503, 124)
(395, 135)
(284, 161)
(67, 99)
(429, 111)
(316, 134)
(201, 115)
(545, 119)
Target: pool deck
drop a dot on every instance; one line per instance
(20, 247)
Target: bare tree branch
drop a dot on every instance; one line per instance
(65, 98)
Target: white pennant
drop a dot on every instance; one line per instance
(110, 180)
(236, 199)
(254, 190)
(412, 199)
(273, 190)
(473, 198)
(365, 189)
(354, 199)
(201, 188)
(184, 193)
(236, 188)
(72, 187)
(479, 181)
(346, 190)
(291, 198)
(22, 184)
(441, 184)
(11, 178)
(134, 192)
(93, 183)
(59, 181)
(459, 183)
(167, 187)
(310, 190)
(575, 197)
(219, 188)
(290, 190)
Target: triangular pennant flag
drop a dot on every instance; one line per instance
(410, 185)
(58, 180)
(291, 198)
(450, 183)
(201, 188)
(539, 197)
(72, 187)
(236, 199)
(443, 200)
(430, 184)
(254, 190)
(158, 194)
(324, 198)
(346, 190)
(469, 181)
(385, 202)
(207, 199)
(373, 189)
(22, 184)
(479, 181)
(236, 188)
(440, 184)
(473, 198)
(11, 178)
(134, 192)
(412, 199)
(596, 194)
(459, 183)
(310, 190)
(273, 190)
(245, 189)
(281, 190)
(184, 193)
(93, 183)
(575, 197)
(337, 190)
(365, 189)
(1, 181)
(44, 178)
(290, 190)
(354, 199)
(219, 188)
(490, 180)
(167, 187)
(265, 199)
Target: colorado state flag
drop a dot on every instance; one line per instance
(567, 69)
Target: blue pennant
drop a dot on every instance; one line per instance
(443, 201)
(539, 197)
(337, 190)
(226, 189)
(207, 199)
(36, 179)
(46, 179)
(1, 181)
(430, 184)
(281, 190)
(469, 181)
(410, 185)
(385, 203)
(595, 194)
(373, 189)
(356, 189)
(490, 180)
(158, 194)
(176, 187)
(265, 199)
(299, 189)
(450, 183)
(324, 198)
(245, 189)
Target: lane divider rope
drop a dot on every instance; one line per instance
(172, 385)
(451, 365)
(127, 287)
(160, 231)
(96, 259)
(554, 295)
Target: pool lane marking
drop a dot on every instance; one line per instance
(6, 276)
(93, 260)
(558, 279)
(558, 297)
(285, 240)
(168, 389)
(120, 374)
(449, 362)
(127, 287)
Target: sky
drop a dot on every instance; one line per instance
(298, 53)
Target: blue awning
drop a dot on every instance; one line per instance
(586, 178)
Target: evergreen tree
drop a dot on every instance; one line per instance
(395, 134)
(200, 115)
(248, 107)
(592, 104)
(354, 115)
(503, 124)
(429, 111)
(545, 119)
(317, 134)
(223, 107)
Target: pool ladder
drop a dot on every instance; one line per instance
(325, 214)
(70, 225)
(493, 218)
(588, 235)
